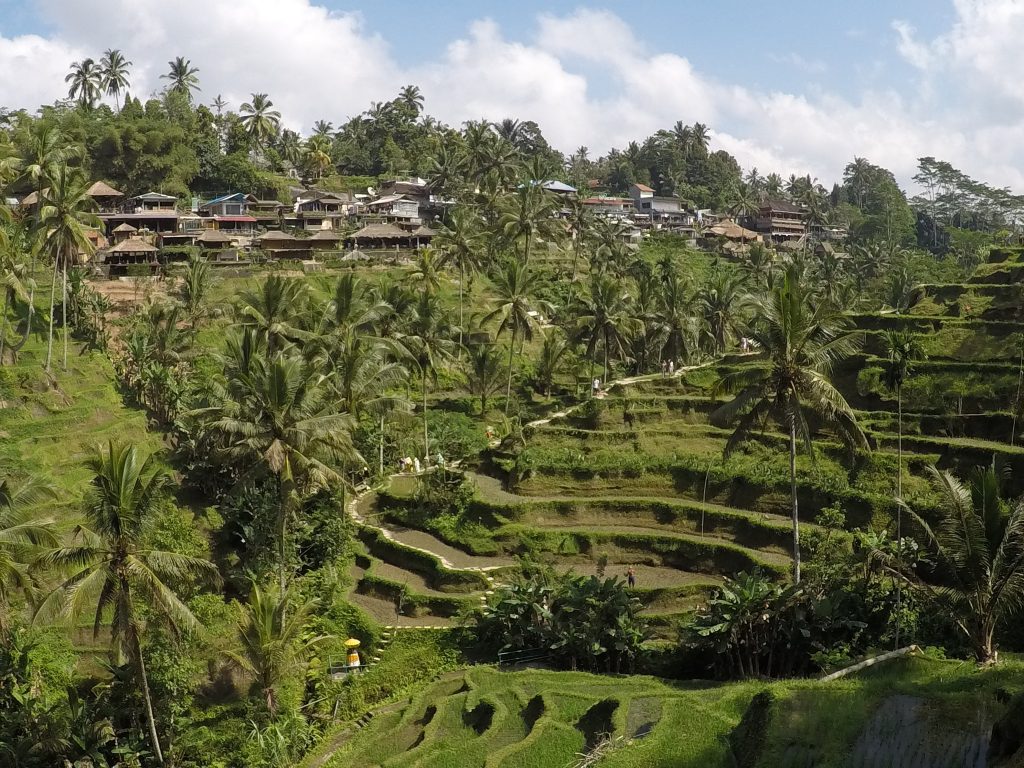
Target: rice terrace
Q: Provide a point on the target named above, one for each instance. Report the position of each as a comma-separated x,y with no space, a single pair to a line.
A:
339,432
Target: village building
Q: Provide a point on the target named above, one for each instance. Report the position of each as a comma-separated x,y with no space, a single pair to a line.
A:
151,211
129,252
385,236
393,208
229,213
320,210
780,221
609,206
282,245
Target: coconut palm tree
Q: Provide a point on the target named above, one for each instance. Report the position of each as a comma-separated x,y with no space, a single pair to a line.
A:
744,201
516,310
722,305
278,420
678,317
318,156
801,339
528,215
323,128
219,104
66,216
184,78
482,373
427,338
902,349
605,318
412,98
86,78
273,640
554,355
976,539
261,121
461,241
581,225
195,288
275,309
22,533
427,269
114,74
111,567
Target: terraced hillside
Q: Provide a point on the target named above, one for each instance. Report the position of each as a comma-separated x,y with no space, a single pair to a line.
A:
638,479
914,713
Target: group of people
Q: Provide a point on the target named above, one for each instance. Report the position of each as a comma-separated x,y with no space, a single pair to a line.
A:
412,464
668,367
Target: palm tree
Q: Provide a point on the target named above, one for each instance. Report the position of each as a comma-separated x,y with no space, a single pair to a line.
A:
183,76
722,304
318,156
260,120
274,309
528,215
112,568
114,74
219,104
482,374
65,218
460,240
902,349
195,287
427,339
86,78
977,541
514,287
678,317
22,533
581,225
744,201
553,353
427,272
273,642
278,420
323,128
801,340
411,97
606,318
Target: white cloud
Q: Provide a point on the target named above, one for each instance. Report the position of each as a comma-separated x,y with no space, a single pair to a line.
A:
586,77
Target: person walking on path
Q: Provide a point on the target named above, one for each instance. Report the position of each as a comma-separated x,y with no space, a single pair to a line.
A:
631,577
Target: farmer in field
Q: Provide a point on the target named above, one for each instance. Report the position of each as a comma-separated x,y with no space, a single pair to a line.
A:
631,577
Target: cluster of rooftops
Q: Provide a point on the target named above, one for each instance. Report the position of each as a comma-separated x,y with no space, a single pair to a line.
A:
229,225
135,229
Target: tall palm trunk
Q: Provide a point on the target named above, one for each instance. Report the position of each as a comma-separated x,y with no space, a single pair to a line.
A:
462,280
53,295
426,438
287,492
793,499
381,446
154,739
508,388
1016,402
606,357
899,508
64,310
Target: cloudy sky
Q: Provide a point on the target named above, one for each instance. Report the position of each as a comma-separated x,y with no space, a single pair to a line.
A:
797,87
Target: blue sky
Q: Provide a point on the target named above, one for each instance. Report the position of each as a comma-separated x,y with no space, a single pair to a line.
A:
790,45
794,87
